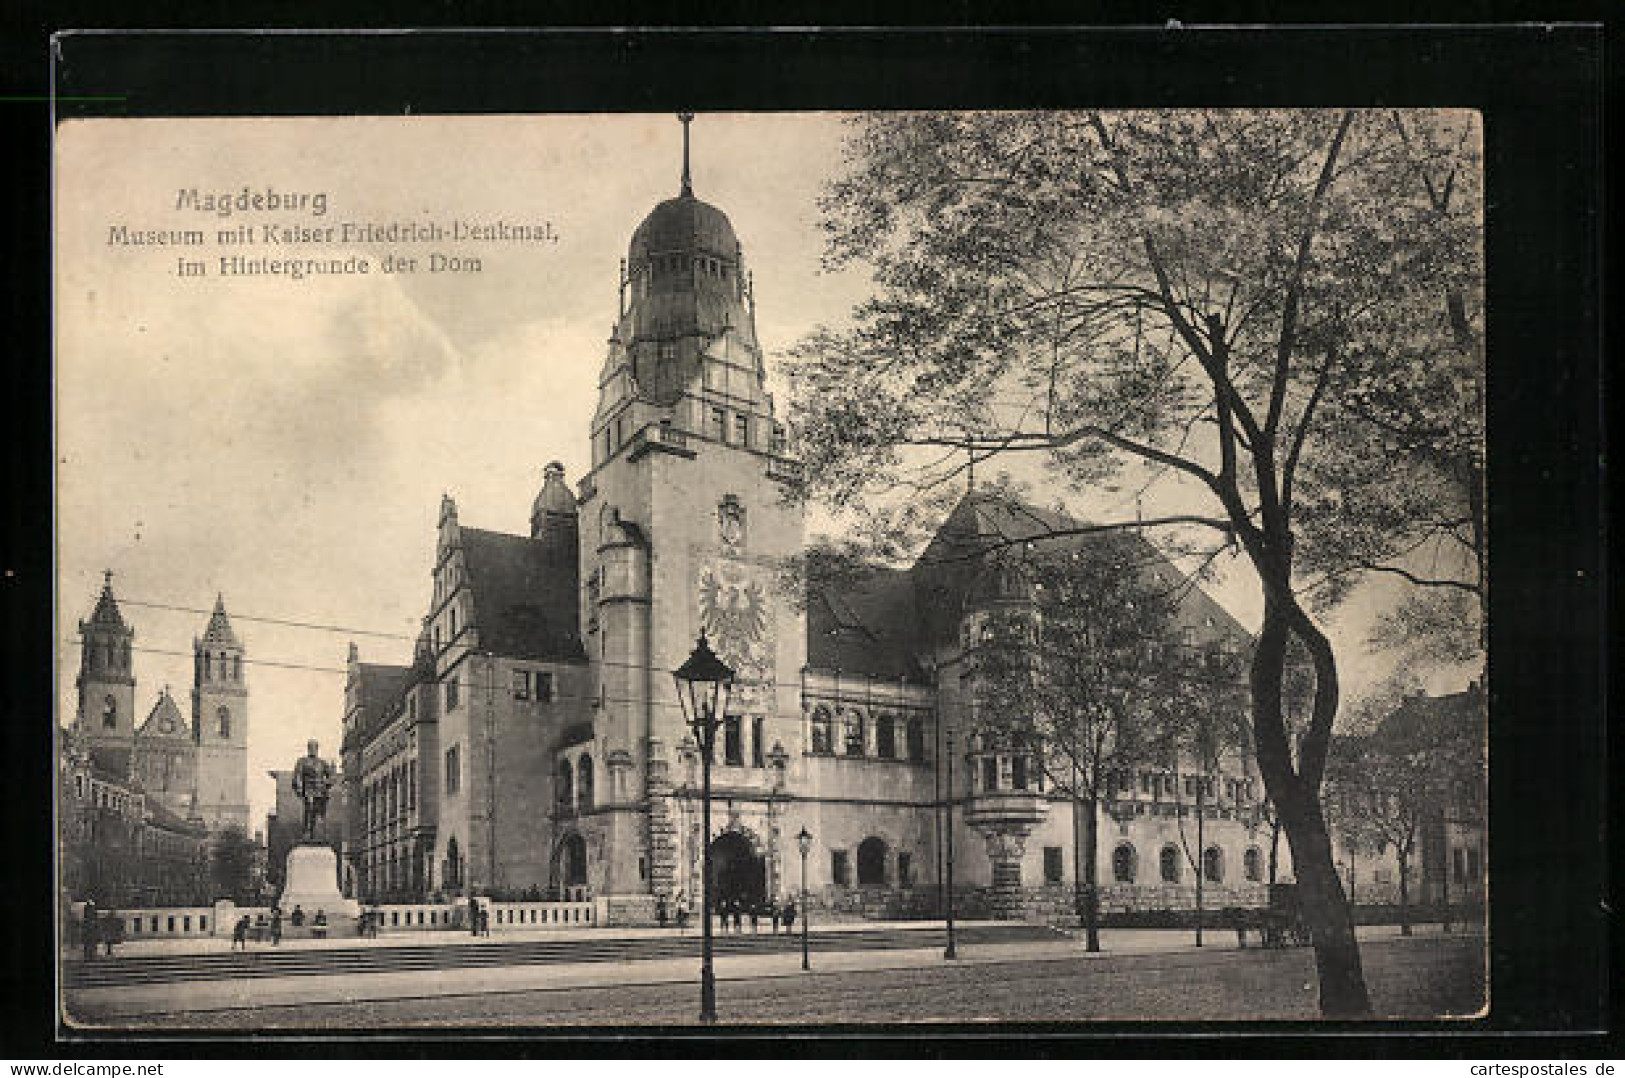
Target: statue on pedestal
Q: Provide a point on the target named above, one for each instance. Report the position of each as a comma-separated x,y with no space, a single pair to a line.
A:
313,779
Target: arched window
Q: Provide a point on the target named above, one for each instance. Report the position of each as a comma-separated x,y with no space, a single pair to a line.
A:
208,666
124,655
223,721
1124,862
565,790
1213,864
109,713
584,781
1252,864
871,861
1169,863
1018,772
823,731
236,668
854,732
916,739
886,737
990,773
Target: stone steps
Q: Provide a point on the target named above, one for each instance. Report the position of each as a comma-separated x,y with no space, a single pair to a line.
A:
387,958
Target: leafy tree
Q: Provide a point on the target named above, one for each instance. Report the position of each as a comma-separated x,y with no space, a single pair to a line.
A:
231,865
1078,675
1192,298
1202,719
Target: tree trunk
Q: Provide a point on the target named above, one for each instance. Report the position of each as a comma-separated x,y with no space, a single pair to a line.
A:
1090,872
1322,903
1404,893
1201,854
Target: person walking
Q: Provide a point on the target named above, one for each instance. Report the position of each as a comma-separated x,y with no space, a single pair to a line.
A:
87,930
276,925
660,911
755,918
739,916
111,928
774,913
789,915
239,934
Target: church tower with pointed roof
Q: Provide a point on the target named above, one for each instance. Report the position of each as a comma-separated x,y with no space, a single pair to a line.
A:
220,723
106,713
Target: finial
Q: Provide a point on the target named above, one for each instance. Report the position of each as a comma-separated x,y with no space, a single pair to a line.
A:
686,118
107,579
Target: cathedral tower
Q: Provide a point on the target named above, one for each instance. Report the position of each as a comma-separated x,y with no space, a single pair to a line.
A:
220,724
106,713
683,529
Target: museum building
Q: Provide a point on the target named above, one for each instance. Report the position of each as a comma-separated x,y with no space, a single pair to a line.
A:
535,745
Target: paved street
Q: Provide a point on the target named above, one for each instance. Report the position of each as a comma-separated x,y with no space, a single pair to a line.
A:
1421,977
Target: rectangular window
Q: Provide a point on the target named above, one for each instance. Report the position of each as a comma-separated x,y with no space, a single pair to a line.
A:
451,693
454,770
742,429
1053,865
757,753
733,747
839,868
719,424
543,685
521,684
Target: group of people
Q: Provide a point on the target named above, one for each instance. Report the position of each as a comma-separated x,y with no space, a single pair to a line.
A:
105,927
735,912
270,928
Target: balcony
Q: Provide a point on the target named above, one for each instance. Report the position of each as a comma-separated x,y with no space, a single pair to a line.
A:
658,438
1005,809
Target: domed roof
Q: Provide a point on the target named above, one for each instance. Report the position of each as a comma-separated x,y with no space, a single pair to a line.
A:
684,223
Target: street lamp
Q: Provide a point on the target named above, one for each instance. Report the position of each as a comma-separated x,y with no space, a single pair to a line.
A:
703,684
948,812
804,843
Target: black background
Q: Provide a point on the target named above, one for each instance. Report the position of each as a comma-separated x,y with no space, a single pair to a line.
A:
1541,90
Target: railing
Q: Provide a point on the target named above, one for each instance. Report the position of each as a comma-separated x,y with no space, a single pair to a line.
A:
170,922
521,915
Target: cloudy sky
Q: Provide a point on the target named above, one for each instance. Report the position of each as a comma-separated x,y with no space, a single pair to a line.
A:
286,443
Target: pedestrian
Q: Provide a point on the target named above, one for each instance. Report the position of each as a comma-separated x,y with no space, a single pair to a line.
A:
297,917
789,915
87,930
112,928
773,912
738,918
755,917
485,920
660,911
276,925
239,934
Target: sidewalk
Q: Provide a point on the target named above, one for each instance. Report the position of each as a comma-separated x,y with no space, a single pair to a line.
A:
314,990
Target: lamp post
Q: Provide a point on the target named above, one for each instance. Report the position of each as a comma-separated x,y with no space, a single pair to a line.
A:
950,951
804,842
703,684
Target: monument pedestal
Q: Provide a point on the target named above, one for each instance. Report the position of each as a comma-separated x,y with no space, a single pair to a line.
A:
312,886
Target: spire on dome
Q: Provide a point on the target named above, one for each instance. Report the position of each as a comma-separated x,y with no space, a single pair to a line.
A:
688,186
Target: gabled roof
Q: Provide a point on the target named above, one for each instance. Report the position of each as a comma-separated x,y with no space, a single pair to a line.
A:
961,564
381,686
525,596
165,708
1427,721
863,623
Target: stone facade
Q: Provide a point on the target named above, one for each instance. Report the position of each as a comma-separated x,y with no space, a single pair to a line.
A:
195,767
564,764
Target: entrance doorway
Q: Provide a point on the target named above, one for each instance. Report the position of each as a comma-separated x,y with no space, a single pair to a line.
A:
738,873
570,868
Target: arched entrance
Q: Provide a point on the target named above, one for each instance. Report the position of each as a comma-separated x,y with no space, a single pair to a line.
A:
738,872
570,867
